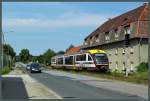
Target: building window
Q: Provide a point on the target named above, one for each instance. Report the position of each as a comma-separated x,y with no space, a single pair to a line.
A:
123,51
116,67
107,38
85,42
131,50
131,66
109,54
116,52
90,41
116,34
110,62
123,68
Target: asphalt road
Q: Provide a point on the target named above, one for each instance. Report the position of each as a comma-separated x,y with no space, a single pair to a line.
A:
74,89
71,89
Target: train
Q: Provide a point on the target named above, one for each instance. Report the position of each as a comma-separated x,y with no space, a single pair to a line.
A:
94,59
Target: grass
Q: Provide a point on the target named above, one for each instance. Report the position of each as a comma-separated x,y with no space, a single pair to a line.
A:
5,70
137,78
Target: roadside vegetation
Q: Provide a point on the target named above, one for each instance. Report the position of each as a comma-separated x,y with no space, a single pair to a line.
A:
5,70
139,77
8,58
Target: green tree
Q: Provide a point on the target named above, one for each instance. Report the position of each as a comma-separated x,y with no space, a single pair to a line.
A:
60,52
9,50
24,55
39,58
47,56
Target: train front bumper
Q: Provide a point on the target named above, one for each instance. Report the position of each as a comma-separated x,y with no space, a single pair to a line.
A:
102,66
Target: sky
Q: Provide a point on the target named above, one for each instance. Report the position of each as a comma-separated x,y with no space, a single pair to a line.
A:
39,26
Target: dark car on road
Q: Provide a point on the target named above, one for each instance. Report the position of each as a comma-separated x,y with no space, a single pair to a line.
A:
27,67
35,67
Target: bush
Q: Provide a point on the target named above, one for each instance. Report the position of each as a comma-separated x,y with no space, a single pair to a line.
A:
5,70
142,67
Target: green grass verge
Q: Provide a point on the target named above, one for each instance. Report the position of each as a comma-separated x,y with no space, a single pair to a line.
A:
137,78
5,70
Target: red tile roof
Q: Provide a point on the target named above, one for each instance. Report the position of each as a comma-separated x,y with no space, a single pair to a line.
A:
73,50
138,14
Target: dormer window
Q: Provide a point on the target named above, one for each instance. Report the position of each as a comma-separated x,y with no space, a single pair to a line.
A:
96,38
85,43
116,34
127,30
91,42
107,38
125,19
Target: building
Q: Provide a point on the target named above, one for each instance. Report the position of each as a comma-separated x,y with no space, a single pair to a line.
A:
73,50
110,37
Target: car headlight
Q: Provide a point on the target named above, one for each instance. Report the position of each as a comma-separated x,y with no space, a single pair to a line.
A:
33,69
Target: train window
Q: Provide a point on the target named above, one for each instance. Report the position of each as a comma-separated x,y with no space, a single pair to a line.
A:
101,58
78,58
81,57
53,60
69,60
84,57
60,60
89,58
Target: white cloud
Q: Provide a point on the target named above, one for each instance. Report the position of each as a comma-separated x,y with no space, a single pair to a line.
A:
66,20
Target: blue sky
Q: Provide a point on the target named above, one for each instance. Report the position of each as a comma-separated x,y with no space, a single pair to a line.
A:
55,25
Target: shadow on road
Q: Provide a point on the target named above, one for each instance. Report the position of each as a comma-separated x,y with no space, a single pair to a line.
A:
13,88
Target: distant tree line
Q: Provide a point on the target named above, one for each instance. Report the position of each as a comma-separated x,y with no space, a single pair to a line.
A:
25,56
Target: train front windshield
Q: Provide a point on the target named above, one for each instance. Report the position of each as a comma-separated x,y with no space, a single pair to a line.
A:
101,58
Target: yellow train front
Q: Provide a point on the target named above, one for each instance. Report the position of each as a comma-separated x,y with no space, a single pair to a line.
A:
100,59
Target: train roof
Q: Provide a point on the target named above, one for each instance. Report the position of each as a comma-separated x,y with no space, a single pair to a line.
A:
57,56
91,51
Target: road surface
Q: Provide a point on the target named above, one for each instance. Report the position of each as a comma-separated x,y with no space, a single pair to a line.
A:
69,88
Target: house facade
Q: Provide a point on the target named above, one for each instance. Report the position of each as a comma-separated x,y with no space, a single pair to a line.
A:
110,37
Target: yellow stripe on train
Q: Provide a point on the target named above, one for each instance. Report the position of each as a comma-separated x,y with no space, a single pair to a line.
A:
96,51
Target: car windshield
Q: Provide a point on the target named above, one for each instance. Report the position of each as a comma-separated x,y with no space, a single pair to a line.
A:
101,58
35,65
